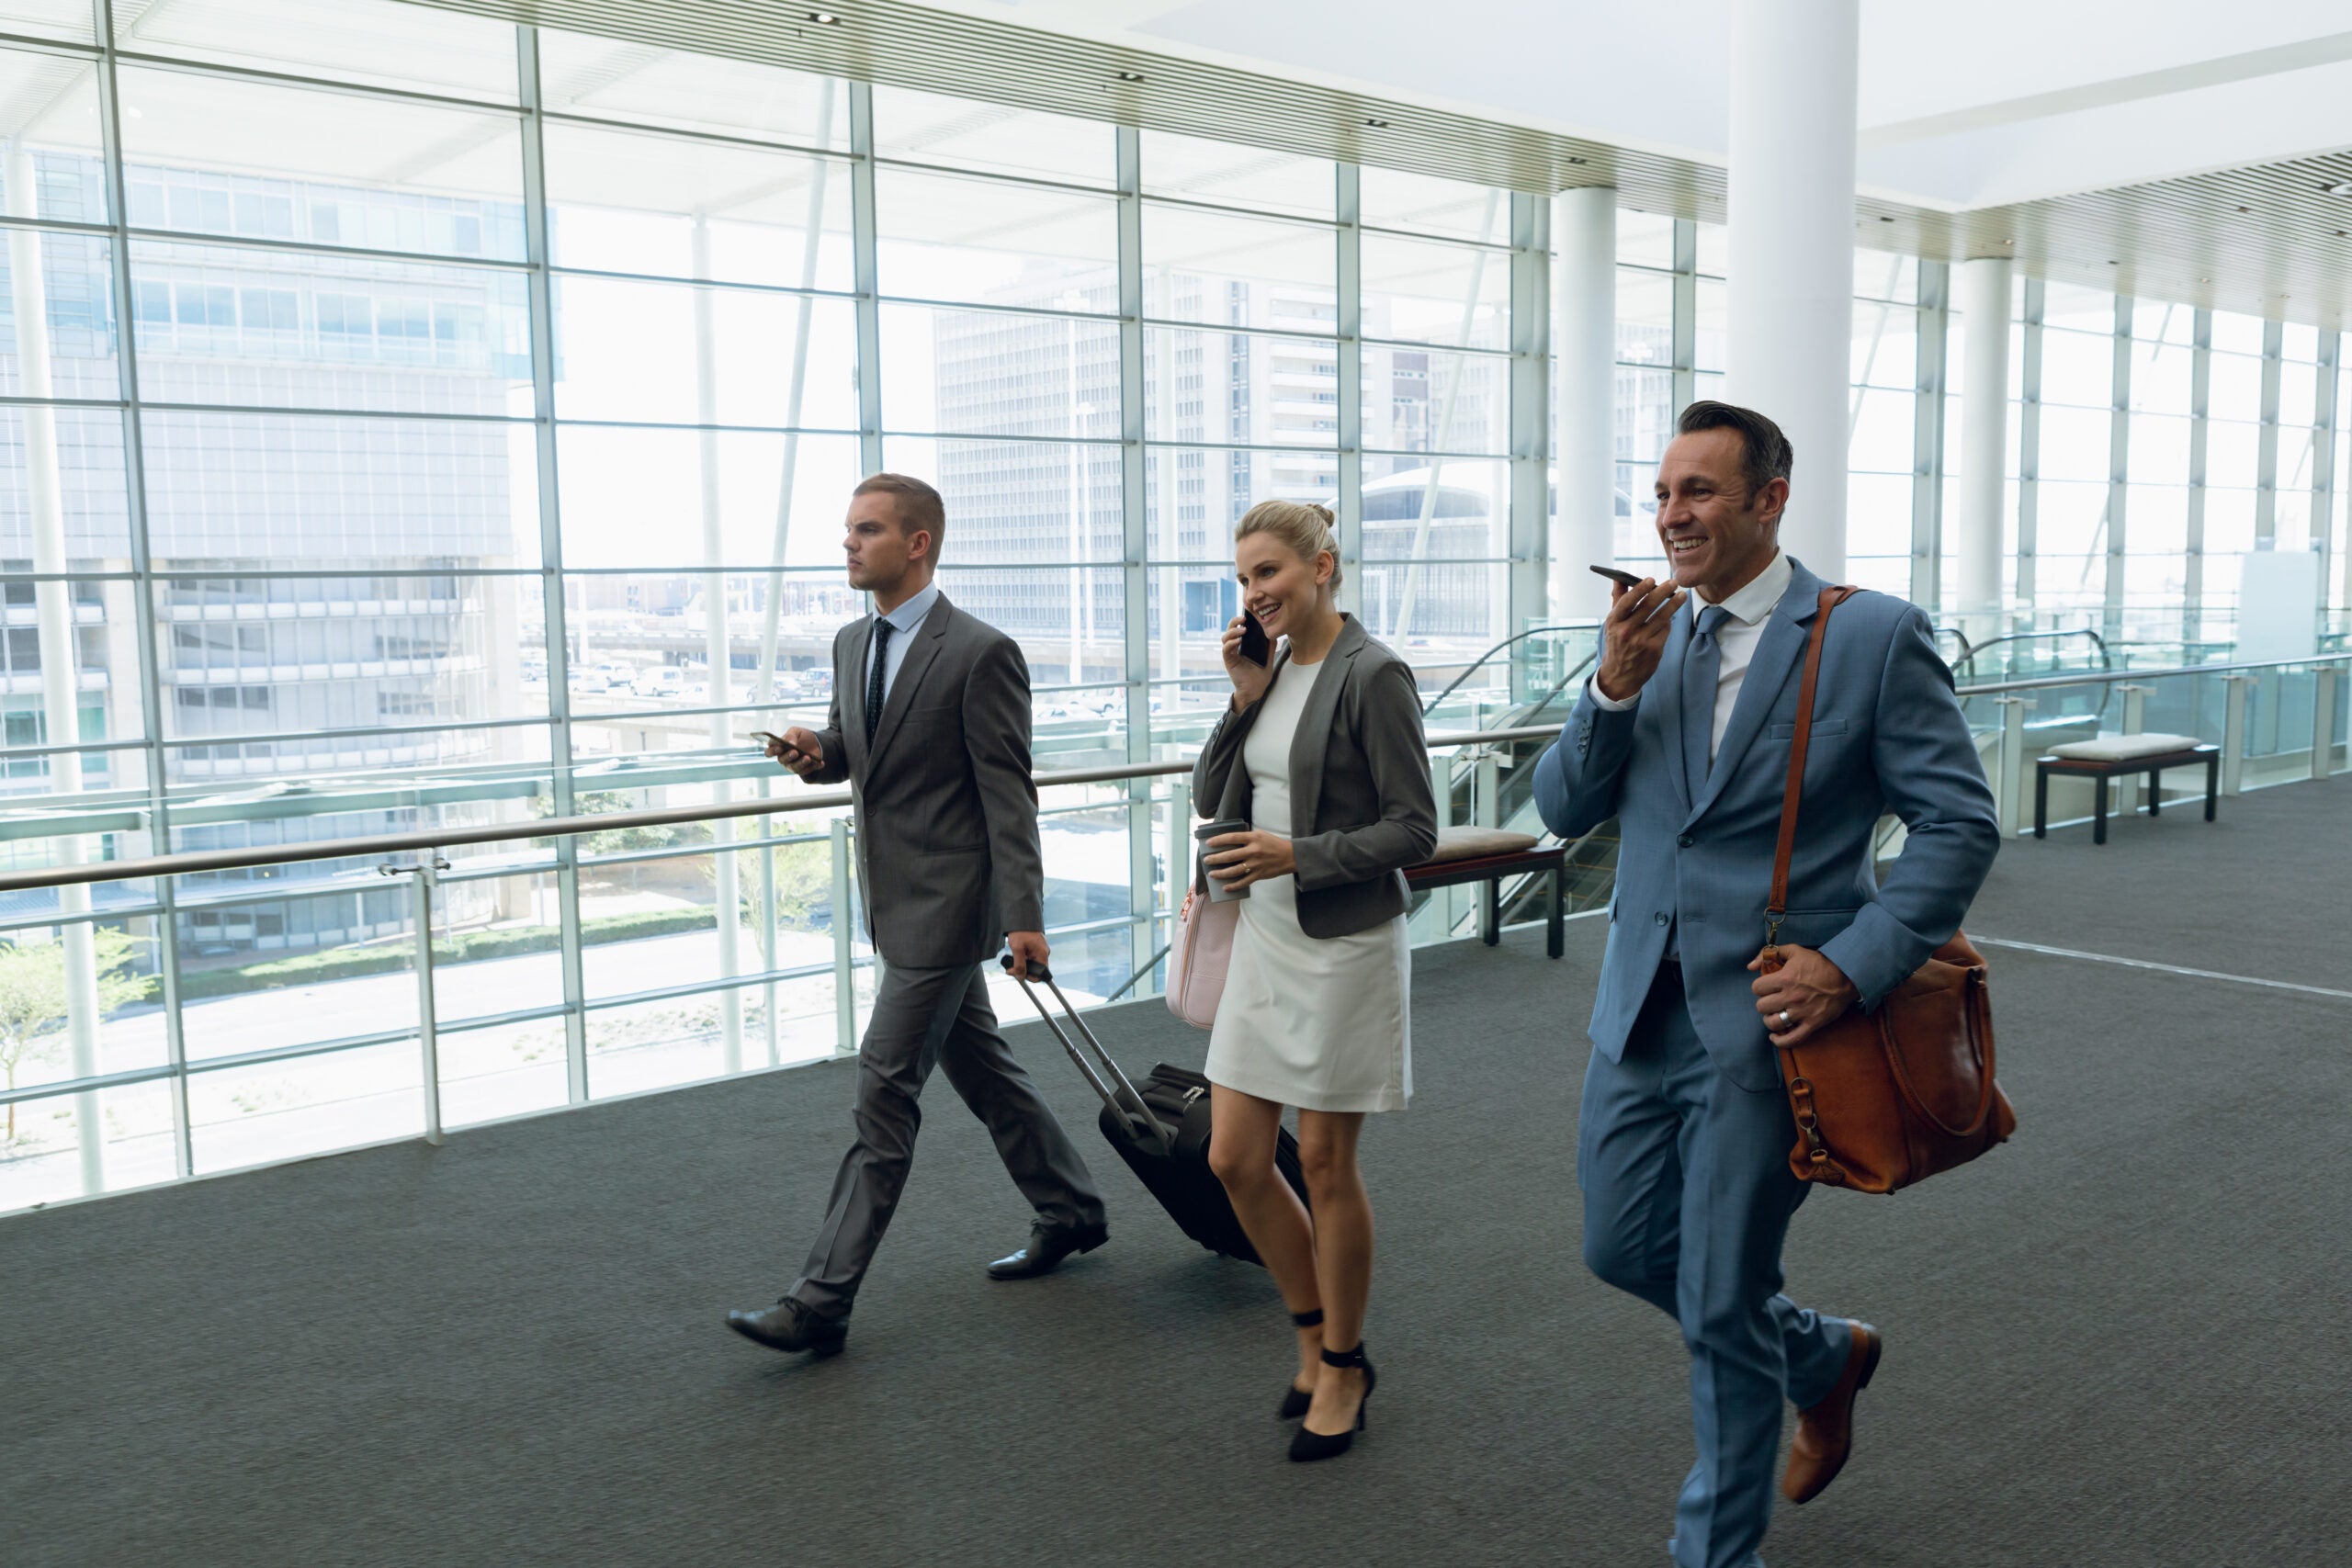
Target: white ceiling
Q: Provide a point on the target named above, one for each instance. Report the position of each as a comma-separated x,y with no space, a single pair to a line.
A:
1962,103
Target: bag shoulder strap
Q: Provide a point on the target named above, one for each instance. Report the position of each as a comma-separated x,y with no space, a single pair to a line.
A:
1776,907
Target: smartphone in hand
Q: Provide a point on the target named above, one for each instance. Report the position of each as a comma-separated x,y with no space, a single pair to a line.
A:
1256,646
768,742
1621,579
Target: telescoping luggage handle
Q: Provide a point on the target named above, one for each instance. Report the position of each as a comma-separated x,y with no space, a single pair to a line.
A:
1125,1096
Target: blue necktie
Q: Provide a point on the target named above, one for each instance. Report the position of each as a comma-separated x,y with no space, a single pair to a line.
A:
873,673
1701,670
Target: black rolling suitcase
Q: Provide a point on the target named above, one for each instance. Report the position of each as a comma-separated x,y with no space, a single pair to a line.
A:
1161,1129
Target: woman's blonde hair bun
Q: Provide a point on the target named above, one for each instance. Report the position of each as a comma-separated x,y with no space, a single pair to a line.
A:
1305,526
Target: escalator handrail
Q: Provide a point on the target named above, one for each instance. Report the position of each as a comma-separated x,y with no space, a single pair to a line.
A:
1480,662
2106,660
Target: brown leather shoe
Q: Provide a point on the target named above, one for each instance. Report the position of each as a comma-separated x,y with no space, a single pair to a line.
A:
1825,1431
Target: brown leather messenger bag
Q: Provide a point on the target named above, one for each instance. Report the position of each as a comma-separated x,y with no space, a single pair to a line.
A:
1889,1097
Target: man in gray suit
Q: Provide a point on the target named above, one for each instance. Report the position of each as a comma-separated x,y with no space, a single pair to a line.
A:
930,725
1684,735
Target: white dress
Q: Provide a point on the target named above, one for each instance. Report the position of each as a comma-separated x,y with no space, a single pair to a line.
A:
1322,1024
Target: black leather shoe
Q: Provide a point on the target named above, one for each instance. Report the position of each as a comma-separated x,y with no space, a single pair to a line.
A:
1306,1445
789,1326
1049,1245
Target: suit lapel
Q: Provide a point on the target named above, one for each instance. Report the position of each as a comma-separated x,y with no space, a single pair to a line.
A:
849,683
919,653
1667,687
1313,740
1779,650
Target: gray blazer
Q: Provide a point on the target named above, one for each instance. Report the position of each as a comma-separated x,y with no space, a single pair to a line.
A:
1359,773
1888,734
948,860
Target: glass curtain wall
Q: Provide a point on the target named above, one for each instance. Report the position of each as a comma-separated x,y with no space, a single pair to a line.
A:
413,422
408,420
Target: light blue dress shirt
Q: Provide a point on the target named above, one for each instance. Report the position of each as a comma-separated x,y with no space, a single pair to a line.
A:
905,621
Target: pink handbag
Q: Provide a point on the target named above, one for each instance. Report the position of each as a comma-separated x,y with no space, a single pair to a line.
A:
1199,957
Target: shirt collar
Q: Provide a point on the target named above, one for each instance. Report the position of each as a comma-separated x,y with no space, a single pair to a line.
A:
912,615
1757,600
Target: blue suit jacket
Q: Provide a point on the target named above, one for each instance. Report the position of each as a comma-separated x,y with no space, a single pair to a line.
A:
1888,734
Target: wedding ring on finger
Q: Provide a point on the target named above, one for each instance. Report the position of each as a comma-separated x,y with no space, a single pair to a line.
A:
1784,1021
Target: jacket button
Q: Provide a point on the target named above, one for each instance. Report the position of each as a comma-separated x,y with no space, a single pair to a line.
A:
1685,841
1659,918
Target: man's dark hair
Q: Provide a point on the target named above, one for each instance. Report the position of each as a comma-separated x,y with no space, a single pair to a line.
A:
919,506
1768,456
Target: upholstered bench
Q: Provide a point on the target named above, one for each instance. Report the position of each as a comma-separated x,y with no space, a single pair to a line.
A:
1487,856
2119,756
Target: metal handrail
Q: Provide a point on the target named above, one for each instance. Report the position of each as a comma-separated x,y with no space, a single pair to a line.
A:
1481,662
559,827
2113,677
191,861
1968,654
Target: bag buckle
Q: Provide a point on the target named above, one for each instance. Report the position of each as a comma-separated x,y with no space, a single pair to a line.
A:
1801,1100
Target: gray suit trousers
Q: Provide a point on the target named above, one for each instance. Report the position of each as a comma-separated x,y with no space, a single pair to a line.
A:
923,1019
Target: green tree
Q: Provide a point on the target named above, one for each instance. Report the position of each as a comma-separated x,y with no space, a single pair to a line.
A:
33,1006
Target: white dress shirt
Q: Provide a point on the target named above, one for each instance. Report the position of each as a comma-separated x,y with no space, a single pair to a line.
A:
905,620
1745,614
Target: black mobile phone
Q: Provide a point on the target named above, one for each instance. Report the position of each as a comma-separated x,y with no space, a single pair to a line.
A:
1621,579
1256,646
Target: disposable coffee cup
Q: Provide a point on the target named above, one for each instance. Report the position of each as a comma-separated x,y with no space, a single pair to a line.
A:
1218,892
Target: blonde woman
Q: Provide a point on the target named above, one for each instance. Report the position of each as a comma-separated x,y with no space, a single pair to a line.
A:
1321,752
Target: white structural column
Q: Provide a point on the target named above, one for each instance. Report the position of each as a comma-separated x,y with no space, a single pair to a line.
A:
1981,290
1584,338
1792,247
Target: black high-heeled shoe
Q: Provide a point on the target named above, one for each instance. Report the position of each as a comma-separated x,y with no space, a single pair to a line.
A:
1297,1399
1307,1445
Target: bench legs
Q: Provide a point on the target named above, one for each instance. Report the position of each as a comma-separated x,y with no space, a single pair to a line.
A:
2098,810
2212,783
1555,921
2155,790
1490,911
2042,803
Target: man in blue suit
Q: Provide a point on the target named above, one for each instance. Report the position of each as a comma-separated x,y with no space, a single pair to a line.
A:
1684,735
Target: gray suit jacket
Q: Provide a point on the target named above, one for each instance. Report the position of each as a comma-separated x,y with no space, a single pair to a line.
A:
1358,773
1888,734
948,860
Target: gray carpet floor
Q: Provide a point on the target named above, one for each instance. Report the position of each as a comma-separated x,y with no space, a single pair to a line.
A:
2118,1341
2263,889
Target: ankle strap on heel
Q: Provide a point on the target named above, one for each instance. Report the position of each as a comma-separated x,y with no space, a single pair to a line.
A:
1355,1358
1308,1319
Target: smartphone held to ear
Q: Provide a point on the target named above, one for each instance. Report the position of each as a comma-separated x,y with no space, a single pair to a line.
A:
1621,579
1256,646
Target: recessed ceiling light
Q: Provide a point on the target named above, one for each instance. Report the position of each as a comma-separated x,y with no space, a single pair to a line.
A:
2341,188
2245,209
1376,124
826,19
1130,75
1884,219
2008,241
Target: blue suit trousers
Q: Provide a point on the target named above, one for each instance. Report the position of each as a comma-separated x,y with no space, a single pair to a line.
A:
1687,1200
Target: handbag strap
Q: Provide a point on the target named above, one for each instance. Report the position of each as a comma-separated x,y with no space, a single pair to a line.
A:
1776,907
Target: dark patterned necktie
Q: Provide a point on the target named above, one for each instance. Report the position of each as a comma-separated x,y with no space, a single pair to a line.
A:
1701,672
874,672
